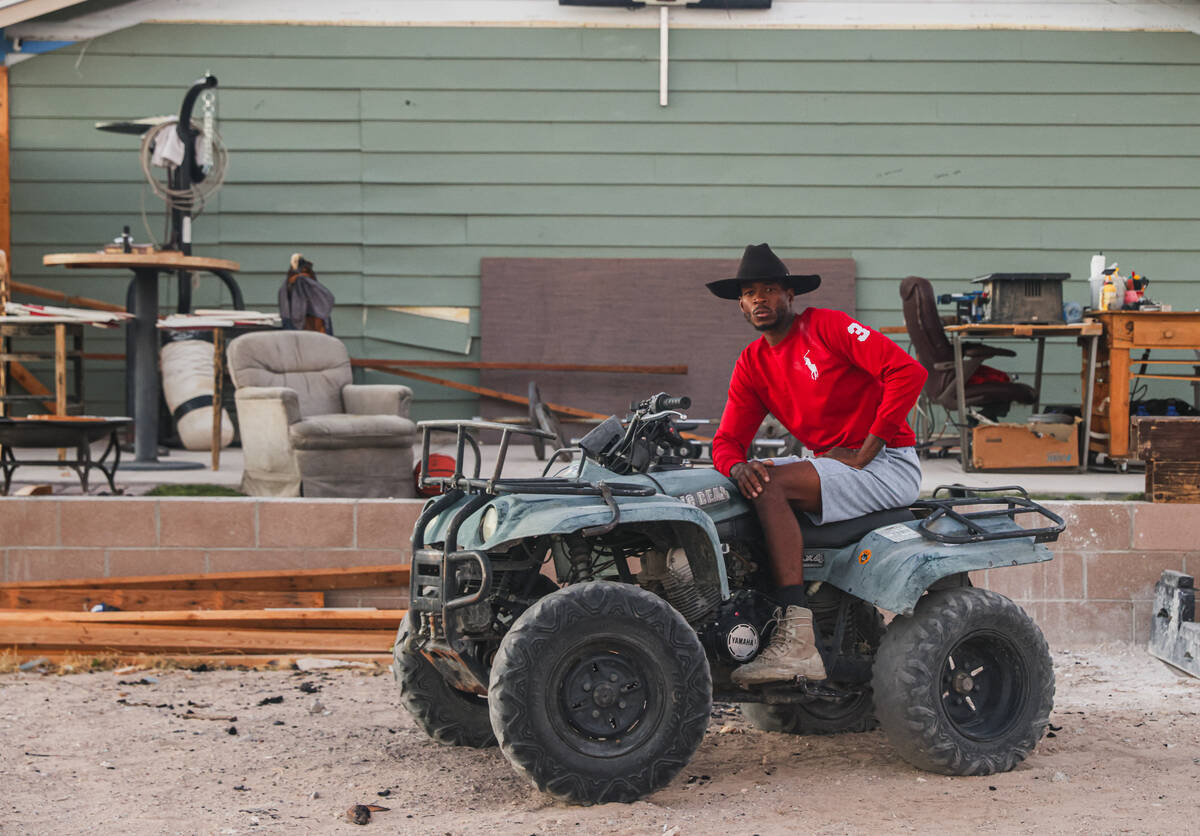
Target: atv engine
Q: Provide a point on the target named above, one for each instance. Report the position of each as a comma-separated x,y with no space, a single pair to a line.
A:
673,574
738,633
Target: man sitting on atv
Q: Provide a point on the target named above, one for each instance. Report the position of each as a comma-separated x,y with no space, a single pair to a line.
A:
844,391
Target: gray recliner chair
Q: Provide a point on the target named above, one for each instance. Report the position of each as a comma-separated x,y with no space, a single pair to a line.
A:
308,430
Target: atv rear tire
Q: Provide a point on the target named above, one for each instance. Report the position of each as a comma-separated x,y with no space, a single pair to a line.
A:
965,685
853,714
600,692
448,715
849,715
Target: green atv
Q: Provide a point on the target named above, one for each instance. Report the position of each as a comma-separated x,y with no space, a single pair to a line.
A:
587,620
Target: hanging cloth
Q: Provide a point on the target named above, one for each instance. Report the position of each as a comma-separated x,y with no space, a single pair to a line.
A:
304,303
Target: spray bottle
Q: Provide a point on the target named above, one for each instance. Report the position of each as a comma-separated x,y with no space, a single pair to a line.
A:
1108,293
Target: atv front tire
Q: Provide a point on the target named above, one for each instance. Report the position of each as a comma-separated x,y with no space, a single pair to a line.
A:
600,692
448,715
965,685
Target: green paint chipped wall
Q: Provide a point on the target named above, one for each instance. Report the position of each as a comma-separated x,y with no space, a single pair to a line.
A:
396,159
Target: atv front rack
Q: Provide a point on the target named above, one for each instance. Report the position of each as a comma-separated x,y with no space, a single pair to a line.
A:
973,525
497,485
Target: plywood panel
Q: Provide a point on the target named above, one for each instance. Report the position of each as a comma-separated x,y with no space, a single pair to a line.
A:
626,311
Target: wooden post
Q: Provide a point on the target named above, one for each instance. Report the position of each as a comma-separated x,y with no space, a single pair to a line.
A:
4,292
60,377
218,386
5,189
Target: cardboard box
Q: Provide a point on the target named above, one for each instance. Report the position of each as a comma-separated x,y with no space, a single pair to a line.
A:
1025,446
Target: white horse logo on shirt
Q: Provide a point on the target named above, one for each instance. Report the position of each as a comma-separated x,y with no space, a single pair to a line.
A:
812,367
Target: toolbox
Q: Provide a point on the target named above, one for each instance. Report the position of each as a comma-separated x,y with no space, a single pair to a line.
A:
1023,297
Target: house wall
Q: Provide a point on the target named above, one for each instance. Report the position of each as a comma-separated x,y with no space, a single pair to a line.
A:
397,157
1099,587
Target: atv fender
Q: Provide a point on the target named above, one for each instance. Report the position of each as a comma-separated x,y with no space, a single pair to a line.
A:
893,572
526,516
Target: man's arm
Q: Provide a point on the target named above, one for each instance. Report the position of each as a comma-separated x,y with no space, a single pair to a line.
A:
743,413
859,458
901,375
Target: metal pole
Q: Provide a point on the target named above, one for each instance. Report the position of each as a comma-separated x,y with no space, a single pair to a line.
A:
145,373
663,39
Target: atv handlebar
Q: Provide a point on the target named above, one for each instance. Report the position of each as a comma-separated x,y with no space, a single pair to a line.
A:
664,402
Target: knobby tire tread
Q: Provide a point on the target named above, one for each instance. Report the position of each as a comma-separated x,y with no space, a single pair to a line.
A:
909,664
523,658
449,716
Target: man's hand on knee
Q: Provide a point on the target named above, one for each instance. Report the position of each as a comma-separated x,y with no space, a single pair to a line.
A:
751,477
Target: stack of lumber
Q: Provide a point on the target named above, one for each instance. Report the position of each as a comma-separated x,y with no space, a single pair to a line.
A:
249,617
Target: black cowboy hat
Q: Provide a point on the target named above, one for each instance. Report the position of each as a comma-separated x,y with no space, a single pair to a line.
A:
759,264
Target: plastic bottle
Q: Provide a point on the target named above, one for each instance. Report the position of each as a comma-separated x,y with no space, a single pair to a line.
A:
1096,279
1108,295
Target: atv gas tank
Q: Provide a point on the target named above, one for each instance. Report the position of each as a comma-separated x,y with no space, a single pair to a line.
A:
705,488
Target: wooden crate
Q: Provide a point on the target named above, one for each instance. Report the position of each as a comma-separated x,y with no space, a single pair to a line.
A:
1170,447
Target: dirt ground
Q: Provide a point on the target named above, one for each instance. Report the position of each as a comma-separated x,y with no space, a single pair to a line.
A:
156,752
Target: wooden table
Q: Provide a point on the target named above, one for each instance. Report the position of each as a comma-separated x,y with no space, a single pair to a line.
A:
146,270
1089,331
1125,331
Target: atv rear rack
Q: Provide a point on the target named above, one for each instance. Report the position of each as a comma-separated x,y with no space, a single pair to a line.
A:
972,531
496,485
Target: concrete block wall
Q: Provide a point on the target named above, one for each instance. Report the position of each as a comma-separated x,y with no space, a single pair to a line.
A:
47,538
1099,587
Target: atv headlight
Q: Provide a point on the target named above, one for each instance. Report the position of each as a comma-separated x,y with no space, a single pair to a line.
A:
490,522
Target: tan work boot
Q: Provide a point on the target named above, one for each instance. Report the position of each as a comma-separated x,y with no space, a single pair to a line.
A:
791,653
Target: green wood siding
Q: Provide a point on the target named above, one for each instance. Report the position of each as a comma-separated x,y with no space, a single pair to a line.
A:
397,158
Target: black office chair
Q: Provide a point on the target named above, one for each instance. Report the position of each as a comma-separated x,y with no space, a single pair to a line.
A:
991,399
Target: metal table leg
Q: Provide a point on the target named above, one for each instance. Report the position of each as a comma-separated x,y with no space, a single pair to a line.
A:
960,390
1089,393
145,375
1037,375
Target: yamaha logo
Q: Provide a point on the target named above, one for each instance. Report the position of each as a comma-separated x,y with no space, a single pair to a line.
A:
742,642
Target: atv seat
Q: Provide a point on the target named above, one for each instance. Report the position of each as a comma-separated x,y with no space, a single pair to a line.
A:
835,535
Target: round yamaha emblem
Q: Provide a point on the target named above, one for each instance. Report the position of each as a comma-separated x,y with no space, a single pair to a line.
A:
742,642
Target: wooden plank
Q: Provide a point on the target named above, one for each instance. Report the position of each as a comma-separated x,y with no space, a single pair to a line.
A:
537,367
275,619
231,659
351,577
154,599
138,637
26,380
479,390
65,298
136,260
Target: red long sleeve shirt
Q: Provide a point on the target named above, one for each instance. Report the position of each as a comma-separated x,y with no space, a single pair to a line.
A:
830,382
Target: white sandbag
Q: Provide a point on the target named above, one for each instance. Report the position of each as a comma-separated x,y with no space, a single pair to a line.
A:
187,375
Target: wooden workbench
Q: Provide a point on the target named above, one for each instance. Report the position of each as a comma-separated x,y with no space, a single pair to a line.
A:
1126,331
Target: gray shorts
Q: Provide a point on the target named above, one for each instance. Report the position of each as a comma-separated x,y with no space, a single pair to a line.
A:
891,480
